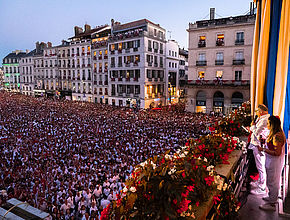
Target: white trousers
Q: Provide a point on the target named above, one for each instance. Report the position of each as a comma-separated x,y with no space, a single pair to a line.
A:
274,166
260,164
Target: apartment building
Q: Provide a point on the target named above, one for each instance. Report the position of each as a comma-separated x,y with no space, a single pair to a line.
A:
137,64
219,63
11,70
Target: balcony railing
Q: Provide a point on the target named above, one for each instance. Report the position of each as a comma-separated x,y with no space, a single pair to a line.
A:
219,82
219,62
135,49
201,63
240,42
150,49
105,57
239,62
112,65
201,44
220,43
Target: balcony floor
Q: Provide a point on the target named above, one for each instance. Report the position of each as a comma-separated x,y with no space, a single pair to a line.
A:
251,210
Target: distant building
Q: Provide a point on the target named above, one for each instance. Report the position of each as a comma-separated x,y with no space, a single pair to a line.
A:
11,70
172,71
137,64
183,70
26,70
219,63
1,78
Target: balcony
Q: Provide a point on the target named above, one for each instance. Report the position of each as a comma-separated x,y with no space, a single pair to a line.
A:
128,79
78,66
127,64
135,63
83,65
119,50
83,53
119,79
100,57
239,62
95,70
150,49
155,50
106,83
150,63
220,43
113,79
105,57
135,49
136,79
119,64
201,43
88,53
155,64
201,63
161,51
106,70
219,62
127,50
100,70
100,83
95,58
214,83
240,42
78,54
112,52
112,65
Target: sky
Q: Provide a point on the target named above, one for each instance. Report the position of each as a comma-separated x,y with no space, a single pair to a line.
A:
24,22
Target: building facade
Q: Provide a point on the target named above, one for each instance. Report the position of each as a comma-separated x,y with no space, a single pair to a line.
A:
172,71
1,78
136,60
11,71
219,63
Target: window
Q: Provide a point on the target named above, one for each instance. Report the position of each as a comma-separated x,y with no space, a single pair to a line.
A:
238,75
201,74
169,64
149,44
169,52
239,55
220,56
220,40
155,32
201,57
240,38
219,74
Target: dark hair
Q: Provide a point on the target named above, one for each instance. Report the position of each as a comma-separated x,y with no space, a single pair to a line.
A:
275,126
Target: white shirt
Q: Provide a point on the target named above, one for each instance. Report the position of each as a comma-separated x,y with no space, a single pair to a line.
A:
260,128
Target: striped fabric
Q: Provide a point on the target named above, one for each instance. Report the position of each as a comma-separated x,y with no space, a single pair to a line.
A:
270,73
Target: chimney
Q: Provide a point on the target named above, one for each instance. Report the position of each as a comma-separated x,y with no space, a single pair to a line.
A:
49,44
87,28
211,13
27,51
78,30
37,47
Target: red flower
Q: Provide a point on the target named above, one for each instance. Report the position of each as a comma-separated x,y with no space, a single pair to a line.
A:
183,175
216,199
175,201
197,203
162,161
209,180
211,129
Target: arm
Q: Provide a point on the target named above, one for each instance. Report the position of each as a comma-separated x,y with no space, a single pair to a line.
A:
277,148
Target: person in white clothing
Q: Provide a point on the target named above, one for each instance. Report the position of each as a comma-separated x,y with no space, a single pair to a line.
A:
259,128
274,161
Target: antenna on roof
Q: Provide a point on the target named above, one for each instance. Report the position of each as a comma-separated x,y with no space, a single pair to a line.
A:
169,34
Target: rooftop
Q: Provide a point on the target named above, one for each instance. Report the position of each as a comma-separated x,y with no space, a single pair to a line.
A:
134,24
211,23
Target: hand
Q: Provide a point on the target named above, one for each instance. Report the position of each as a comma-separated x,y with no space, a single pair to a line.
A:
260,148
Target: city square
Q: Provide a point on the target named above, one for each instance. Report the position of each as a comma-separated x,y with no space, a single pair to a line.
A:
150,114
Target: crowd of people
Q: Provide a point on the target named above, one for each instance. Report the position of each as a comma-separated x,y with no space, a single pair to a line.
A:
71,159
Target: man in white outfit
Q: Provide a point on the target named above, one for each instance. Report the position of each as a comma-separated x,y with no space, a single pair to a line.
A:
259,128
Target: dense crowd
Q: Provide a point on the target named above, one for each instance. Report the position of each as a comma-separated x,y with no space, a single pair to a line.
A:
72,158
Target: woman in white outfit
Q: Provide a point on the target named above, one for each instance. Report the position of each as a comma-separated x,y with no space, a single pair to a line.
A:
274,161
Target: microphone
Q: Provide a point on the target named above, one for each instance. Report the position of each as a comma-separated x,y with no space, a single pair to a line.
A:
256,117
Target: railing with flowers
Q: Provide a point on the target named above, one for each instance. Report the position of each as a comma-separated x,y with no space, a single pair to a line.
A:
175,185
